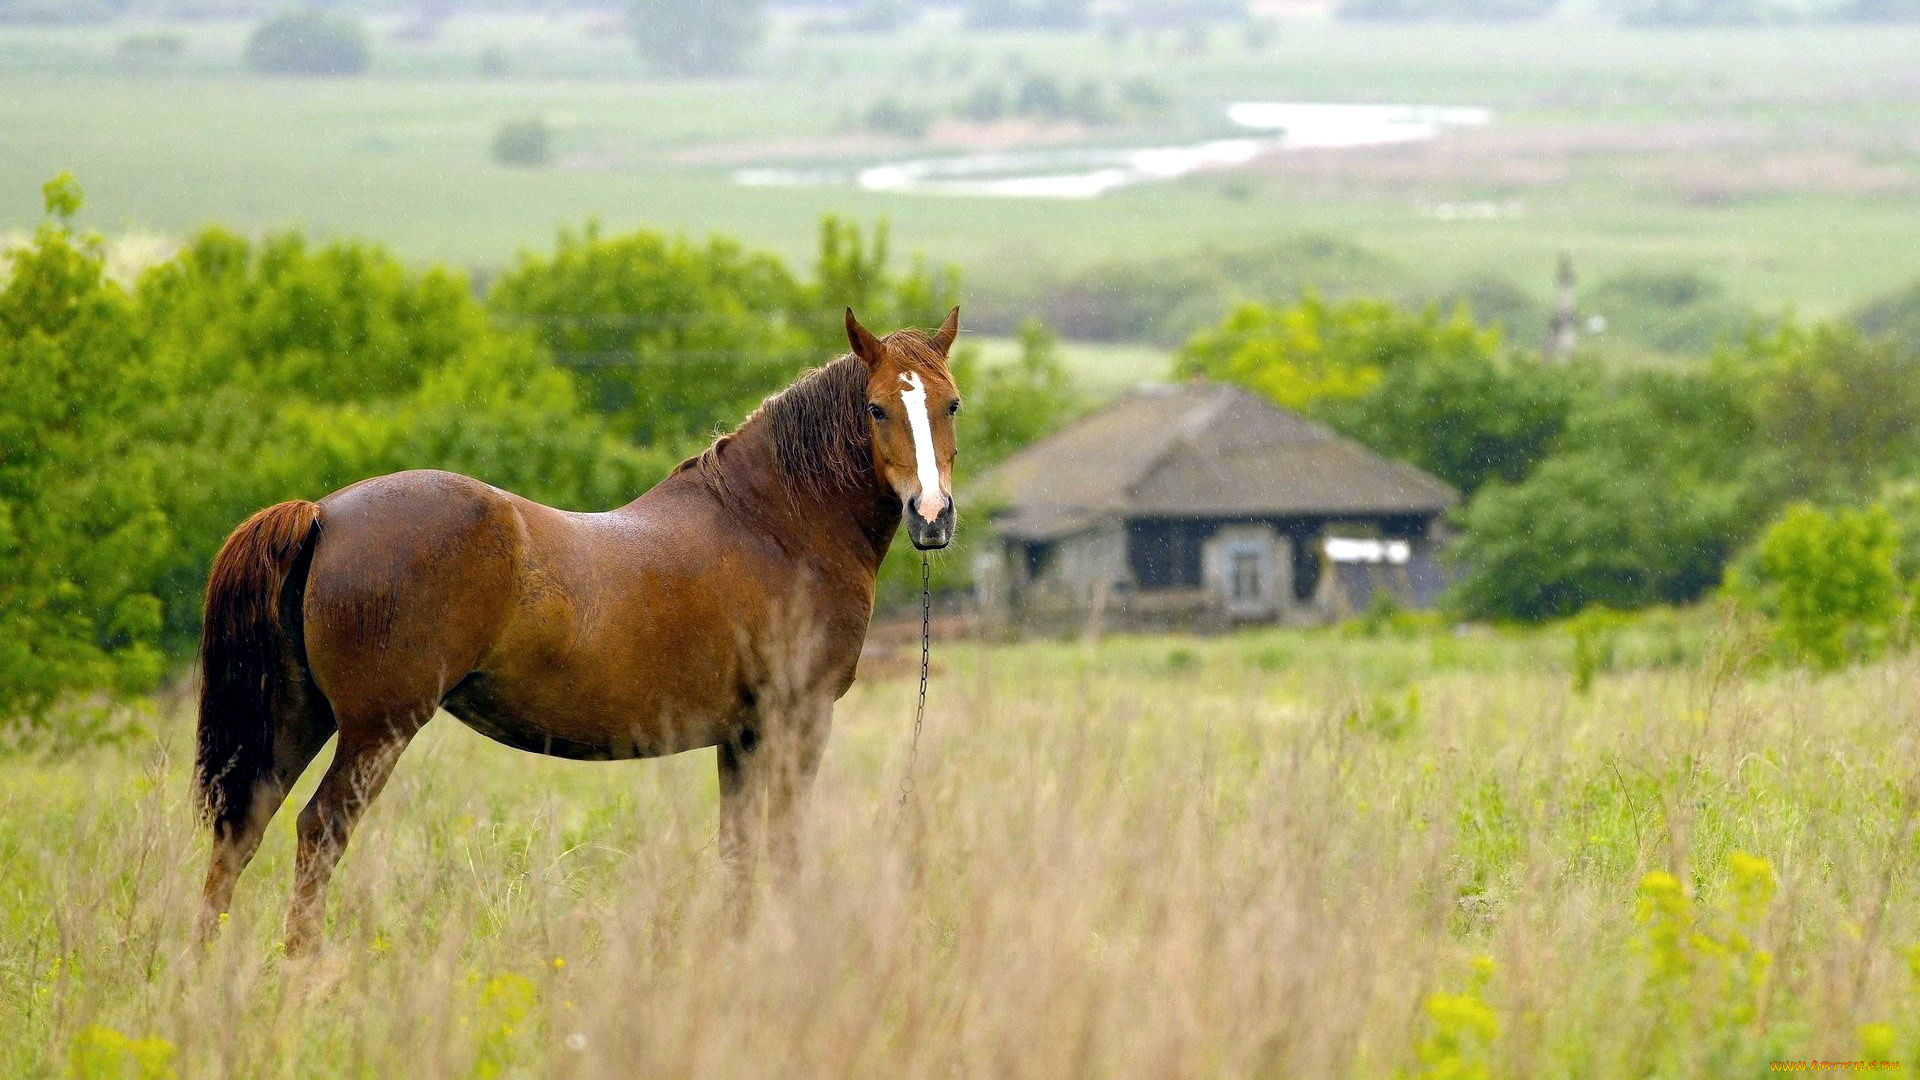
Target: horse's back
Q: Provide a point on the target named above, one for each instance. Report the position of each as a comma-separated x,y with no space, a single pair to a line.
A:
412,578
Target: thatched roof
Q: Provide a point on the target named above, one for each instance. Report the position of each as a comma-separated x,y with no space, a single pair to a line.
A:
1200,450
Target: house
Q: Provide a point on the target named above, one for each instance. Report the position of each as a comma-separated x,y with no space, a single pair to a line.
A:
1203,505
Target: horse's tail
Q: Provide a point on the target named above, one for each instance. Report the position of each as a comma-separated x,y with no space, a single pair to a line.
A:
243,649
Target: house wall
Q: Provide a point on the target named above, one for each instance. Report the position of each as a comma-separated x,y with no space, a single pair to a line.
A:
1094,579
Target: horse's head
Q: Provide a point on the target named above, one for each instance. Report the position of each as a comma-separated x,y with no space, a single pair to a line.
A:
911,401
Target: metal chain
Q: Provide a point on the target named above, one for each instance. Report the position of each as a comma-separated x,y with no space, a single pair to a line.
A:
926,652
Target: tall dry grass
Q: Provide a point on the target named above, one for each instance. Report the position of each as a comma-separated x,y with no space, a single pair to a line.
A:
1278,855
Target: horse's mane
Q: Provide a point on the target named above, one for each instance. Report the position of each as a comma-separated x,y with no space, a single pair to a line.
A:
818,425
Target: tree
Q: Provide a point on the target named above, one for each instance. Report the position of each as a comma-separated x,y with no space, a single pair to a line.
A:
309,42
1464,416
1317,350
1839,409
1582,531
1829,581
1657,479
672,339
695,37
79,529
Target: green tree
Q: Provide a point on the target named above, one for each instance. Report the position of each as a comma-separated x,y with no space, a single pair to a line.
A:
1839,409
696,37
1318,350
1829,581
339,322
1580,531
79,529
672,339
855,270
1656,481
1013,404
309,42
1464,416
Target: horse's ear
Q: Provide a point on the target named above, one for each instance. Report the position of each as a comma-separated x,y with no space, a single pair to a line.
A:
865,345
943,338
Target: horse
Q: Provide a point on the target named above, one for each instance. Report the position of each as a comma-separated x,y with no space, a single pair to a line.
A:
725,607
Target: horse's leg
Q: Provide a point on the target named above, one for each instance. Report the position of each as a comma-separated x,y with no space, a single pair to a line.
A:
742,807
765,775
362,761
303,726
790,783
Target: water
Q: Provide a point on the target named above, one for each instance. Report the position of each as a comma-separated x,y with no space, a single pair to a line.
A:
1088,172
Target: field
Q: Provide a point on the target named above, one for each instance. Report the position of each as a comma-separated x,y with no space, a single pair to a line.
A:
1279,854
1783,160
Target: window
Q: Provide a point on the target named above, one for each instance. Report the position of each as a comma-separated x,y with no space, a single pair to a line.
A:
1243,579
1165,554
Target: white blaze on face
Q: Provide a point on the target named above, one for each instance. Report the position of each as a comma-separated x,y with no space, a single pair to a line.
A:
932,499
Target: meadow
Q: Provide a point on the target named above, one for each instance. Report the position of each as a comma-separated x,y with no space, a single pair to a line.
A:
1782,160
1419,853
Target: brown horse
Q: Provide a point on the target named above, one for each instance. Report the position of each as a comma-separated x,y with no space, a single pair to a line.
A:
726,608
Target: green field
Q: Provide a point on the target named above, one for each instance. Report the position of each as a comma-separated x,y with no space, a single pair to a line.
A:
1783,160
1284,853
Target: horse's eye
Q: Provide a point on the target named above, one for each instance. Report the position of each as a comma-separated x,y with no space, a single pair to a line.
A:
953,408
876,412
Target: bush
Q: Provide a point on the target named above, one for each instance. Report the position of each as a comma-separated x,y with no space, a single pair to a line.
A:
1680,312
527,141
1167,300
154,48
1895,316
708,37
895,117
1829,582
308,43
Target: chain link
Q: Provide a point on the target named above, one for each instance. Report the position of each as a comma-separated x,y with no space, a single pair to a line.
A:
926,652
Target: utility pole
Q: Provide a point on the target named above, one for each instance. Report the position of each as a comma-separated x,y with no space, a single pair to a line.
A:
1563,329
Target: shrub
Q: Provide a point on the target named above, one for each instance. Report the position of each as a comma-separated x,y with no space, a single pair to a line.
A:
152,48
710,37
1678,311
895,117
308,43
1828,580
527,141
1895,316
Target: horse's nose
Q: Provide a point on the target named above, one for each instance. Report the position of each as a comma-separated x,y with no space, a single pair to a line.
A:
928,509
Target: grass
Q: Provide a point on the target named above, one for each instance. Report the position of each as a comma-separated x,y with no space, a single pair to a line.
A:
1280,853
1780,159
